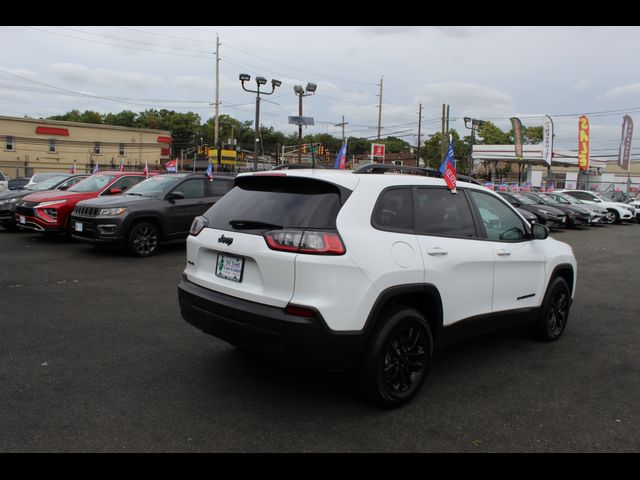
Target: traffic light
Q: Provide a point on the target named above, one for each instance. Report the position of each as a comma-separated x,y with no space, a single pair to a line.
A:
320,149
199,149
206,152
304,148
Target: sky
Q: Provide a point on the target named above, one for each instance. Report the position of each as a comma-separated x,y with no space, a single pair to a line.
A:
488,73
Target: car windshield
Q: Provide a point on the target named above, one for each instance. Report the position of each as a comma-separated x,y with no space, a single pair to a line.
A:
554,198
524,200
570,199
47,184
154,185
94,183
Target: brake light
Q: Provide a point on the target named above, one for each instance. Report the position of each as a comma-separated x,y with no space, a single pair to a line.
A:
198,224
315,242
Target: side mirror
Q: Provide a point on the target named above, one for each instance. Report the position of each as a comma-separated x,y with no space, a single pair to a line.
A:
115,191
176,195
539,231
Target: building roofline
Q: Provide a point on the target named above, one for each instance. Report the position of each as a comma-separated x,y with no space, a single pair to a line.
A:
81,124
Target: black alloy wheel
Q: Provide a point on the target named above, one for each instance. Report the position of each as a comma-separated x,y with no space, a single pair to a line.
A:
554,314
397,358
404,360
143,239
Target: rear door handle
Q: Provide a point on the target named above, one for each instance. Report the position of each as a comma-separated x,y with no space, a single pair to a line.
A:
503,253
436,251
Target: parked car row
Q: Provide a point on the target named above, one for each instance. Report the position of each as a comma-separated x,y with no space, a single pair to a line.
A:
113,208
570,208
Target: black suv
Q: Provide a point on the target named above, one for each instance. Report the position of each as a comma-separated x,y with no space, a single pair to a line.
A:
158,209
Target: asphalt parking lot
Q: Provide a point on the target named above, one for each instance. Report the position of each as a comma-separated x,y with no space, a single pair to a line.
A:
95,357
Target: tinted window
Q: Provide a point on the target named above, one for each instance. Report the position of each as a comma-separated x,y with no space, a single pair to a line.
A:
394,210
439,212
193,188
581,195
260,203
500,222
218,187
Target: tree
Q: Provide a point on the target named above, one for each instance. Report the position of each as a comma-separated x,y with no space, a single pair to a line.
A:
432,152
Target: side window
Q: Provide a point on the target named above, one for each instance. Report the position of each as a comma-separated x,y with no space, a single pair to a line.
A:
500,222
217,188
439,212
69,183
582,196
193,188
394,210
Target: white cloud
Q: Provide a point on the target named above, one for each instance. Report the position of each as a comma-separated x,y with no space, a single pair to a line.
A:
468,98
622,92
580,86
103,77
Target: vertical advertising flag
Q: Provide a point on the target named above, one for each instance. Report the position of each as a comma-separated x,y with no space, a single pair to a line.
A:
448,168
121,168
74,169
517,136
625,143
583,143
341,158
96,169
146,169
547,139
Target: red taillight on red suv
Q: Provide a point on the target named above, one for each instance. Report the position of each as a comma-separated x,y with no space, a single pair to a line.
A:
316,242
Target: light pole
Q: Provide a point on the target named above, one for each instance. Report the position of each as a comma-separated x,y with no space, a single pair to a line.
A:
474,123
259,81
311,88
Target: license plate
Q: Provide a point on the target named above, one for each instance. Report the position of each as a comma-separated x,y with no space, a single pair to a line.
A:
21,219
229,267
78,227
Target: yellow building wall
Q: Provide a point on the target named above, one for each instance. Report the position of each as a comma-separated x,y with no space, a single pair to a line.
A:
30,153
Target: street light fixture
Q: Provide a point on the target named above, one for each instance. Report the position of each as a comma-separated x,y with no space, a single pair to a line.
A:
299,91
474,123
259,81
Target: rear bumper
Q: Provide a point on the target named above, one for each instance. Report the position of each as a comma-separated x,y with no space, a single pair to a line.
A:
269,331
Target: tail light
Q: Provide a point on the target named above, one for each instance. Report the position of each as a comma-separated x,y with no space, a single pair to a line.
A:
316,242
198,224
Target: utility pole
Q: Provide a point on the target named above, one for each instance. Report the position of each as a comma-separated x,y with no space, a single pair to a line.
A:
380,109
443,133
216,121
342,125
419,131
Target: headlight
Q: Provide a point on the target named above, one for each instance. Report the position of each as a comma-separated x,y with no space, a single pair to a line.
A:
110,212
49,204
630,209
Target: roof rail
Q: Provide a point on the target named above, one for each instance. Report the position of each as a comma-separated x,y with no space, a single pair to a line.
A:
380,168
289,166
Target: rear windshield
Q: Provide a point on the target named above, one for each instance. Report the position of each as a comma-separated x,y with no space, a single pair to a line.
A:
257,204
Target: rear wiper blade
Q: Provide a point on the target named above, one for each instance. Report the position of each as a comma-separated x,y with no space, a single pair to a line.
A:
251,224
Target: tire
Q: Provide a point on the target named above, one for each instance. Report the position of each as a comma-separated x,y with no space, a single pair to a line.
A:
397,358
143,239
616,216
551,323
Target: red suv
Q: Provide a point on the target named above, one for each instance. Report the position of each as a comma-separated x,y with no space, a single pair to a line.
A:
48,212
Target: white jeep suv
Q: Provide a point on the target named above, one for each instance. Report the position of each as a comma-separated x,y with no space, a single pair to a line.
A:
369,273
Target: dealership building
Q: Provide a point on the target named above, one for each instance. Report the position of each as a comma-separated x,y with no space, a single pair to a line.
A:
30,145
